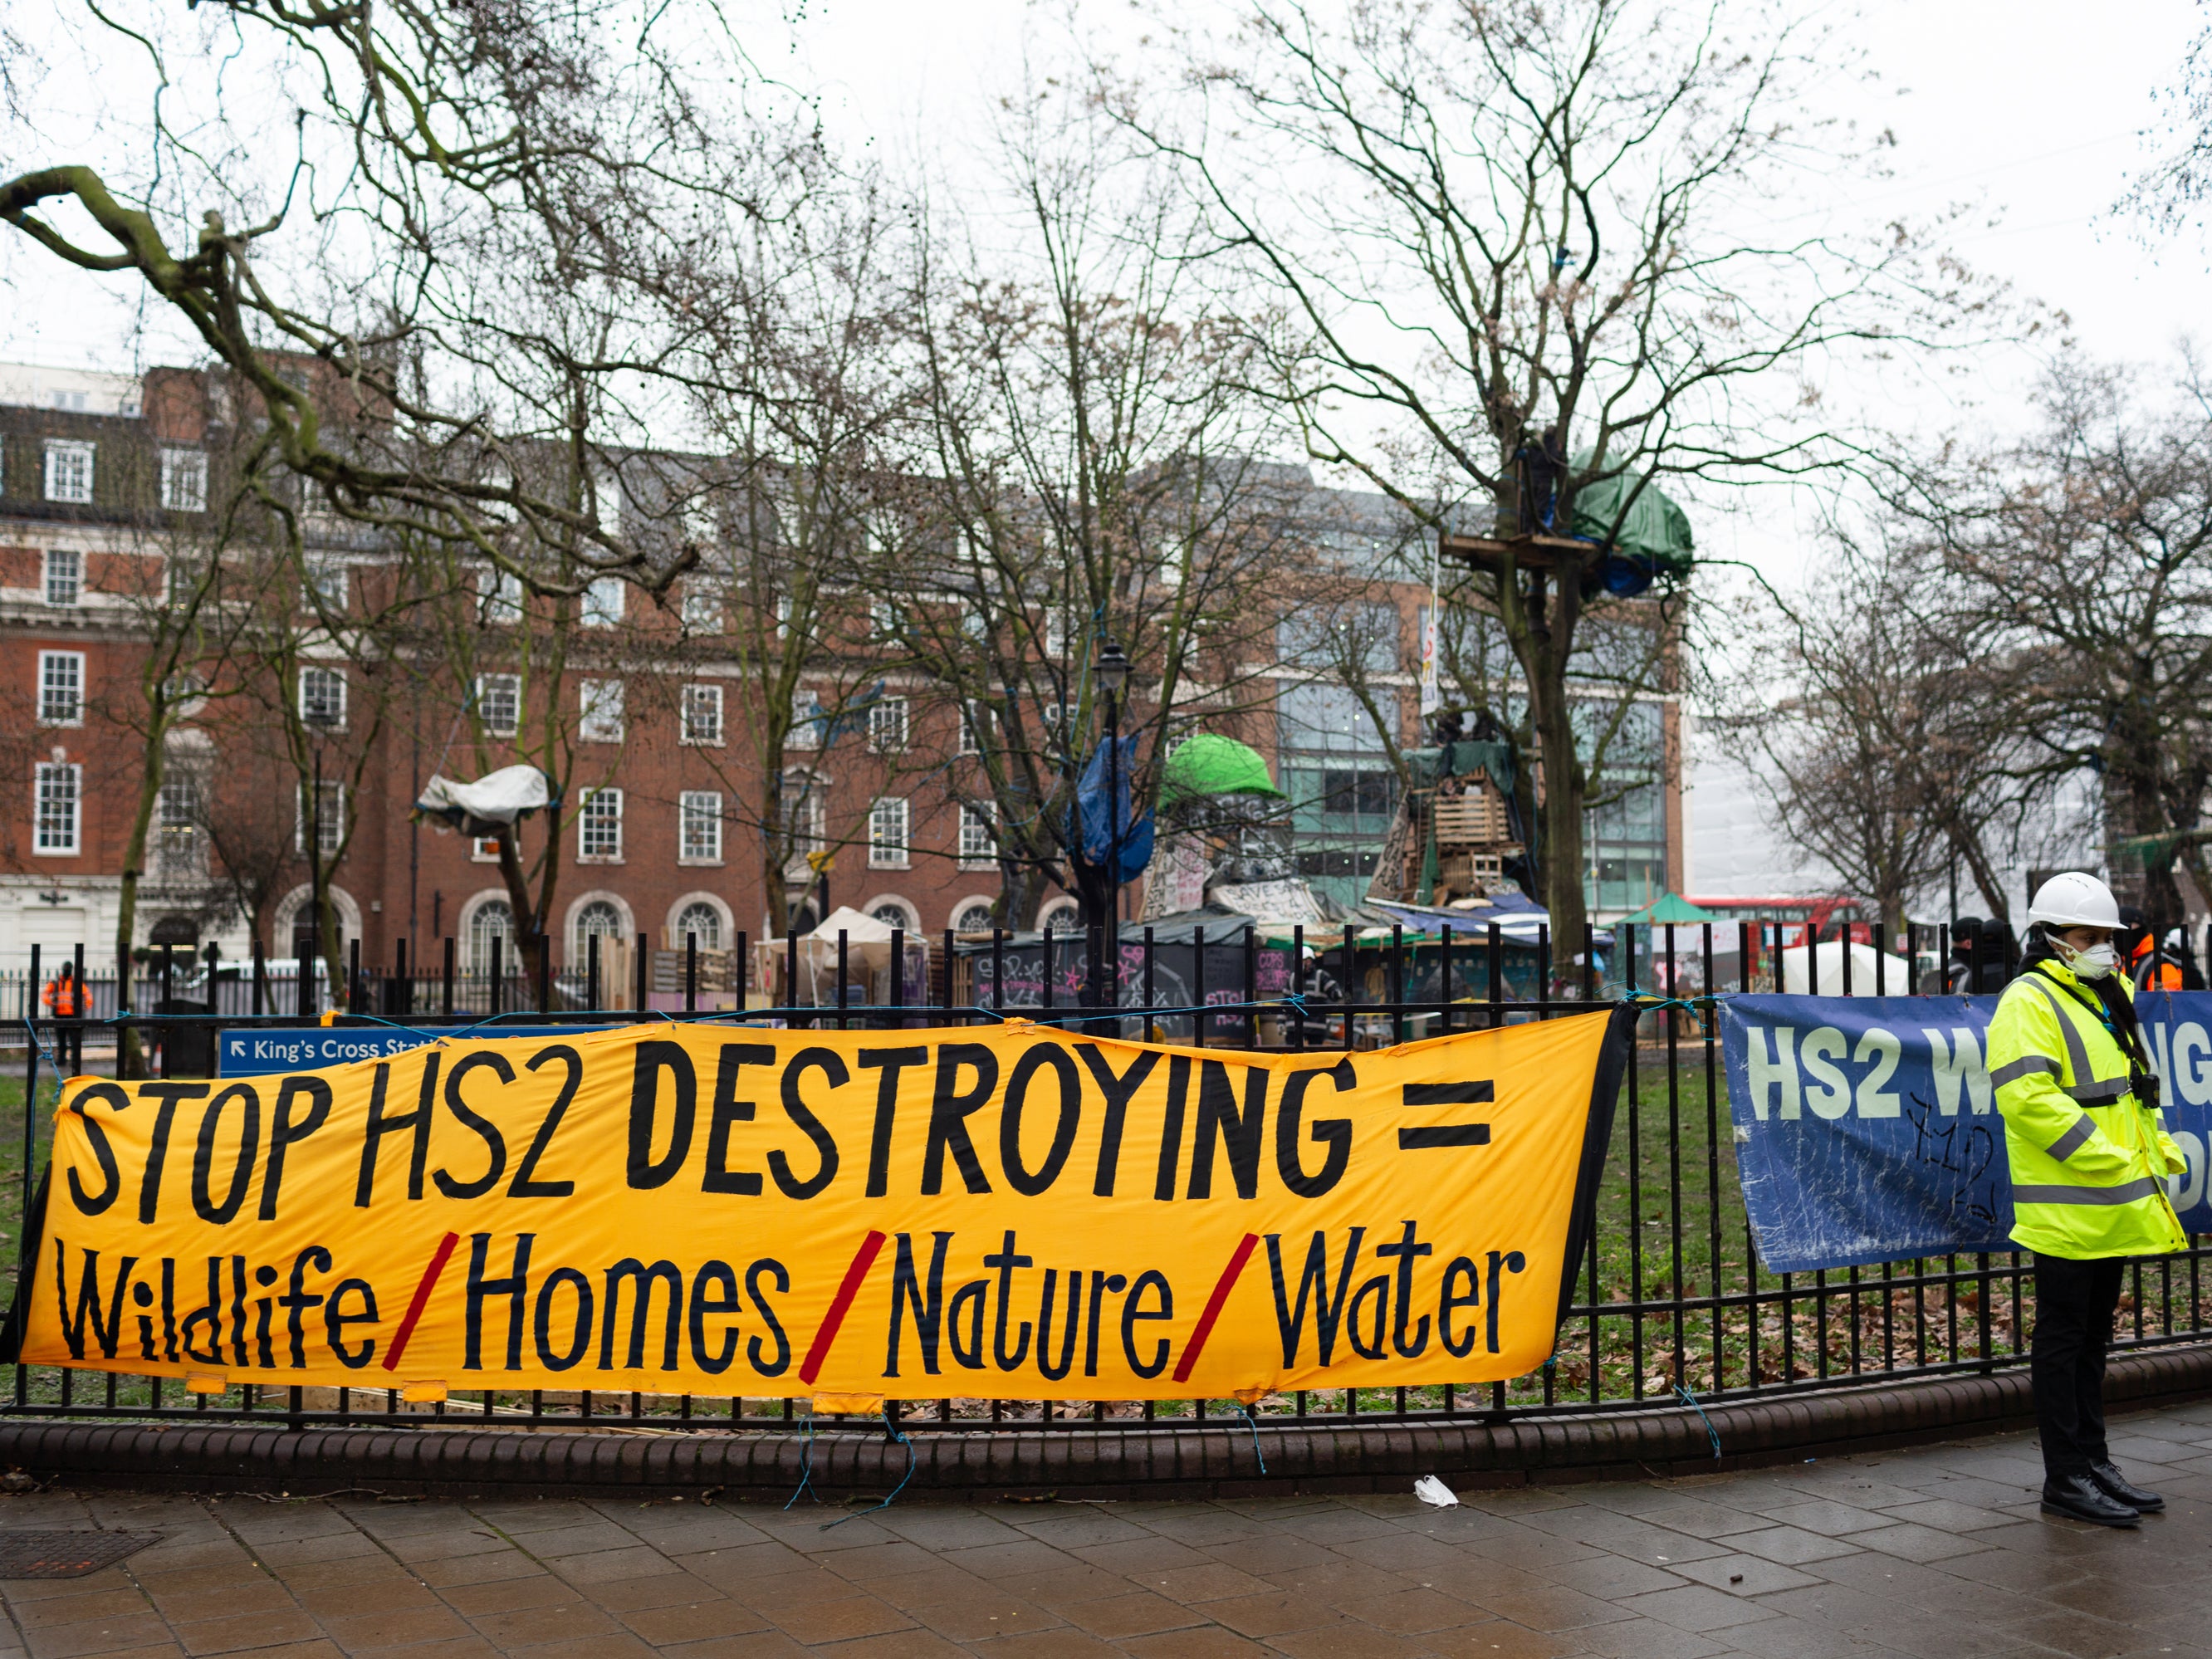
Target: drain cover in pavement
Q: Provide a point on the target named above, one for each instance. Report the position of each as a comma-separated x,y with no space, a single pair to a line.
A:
66,1554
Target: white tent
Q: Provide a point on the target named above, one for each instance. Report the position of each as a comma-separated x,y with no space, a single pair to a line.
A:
867,958
1872,971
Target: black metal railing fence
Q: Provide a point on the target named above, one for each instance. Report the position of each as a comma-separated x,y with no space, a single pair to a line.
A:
1672,1303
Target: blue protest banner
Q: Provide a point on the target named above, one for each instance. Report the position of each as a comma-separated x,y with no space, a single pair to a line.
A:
1866,1130
261,1051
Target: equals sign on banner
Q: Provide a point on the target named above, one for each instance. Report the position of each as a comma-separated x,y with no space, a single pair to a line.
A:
1446,1134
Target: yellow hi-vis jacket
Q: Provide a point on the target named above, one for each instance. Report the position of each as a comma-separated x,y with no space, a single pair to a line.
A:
2089,1160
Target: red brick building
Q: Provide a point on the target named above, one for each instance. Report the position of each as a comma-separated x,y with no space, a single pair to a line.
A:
103,478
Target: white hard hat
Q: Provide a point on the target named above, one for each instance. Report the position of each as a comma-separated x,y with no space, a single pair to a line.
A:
2072,899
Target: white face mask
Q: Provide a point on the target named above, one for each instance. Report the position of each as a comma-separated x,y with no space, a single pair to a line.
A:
2095,962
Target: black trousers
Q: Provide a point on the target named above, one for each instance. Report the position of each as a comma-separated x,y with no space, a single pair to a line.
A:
2074,1304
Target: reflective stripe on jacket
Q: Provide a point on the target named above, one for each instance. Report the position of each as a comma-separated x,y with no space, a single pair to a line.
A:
2089,1160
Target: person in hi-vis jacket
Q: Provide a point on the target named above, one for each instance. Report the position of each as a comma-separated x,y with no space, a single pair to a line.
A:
2089,1155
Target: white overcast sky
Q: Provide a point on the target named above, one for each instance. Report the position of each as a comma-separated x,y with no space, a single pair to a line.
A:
2029,109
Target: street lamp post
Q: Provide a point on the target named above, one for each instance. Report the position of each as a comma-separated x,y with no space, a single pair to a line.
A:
319,724
1112,669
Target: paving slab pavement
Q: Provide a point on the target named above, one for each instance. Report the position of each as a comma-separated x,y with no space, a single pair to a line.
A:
1937,1552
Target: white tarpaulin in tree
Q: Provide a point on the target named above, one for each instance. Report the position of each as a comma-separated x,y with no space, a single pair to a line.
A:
490,804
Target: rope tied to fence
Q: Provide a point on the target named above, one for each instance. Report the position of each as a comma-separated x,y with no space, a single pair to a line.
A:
1712,1433
903,1439
1252,1422
805,1464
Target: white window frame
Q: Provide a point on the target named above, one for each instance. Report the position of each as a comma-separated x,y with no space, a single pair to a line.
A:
706,605
316,674
70,468
184,480
581,933
182,569
887,726
974,720
979,838
700,718
499,595
699,827
60,783
332,825
479,930
599,831
488,685
804,804
330,581
600,705
61,577
890,830
483,849
707,941
806,721
179,844
61,672
602,606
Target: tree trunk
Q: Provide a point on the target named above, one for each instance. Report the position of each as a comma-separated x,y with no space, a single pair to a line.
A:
129,1051
1023,897
1561,824
1539,624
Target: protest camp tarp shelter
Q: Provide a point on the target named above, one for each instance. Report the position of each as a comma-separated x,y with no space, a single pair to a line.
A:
1206,764
867,963
1872,970
1654,527
1669,909
490,804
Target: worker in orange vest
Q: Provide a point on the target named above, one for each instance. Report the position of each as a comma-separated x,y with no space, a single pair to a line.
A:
61,1000
2167,968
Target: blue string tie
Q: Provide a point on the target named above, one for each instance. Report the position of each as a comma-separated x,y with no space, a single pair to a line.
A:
903,1439
1712,1433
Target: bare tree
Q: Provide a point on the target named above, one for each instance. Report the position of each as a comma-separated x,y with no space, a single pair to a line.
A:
1851,726
1083,469
186,589
488,231
1519,249
2072,574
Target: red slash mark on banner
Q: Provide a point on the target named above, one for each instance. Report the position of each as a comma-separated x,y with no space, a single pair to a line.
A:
1222,1286
865,1258
421,1297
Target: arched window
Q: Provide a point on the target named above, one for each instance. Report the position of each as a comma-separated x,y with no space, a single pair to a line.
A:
702,918
892,914
974,918
175,930
492,920
599,918
1060,915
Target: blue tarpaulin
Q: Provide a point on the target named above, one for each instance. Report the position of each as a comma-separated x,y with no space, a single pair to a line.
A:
1866,1130
1098,822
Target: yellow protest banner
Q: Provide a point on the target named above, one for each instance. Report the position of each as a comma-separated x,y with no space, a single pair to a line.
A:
1013,1211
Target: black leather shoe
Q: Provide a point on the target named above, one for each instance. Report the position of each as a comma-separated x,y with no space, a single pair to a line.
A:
2080,1498
2114,1485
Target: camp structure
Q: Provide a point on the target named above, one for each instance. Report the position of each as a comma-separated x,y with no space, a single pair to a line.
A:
1221,837
805,972
1456,829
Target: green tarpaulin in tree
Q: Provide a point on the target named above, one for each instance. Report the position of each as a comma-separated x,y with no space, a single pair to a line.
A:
1204,764
1655,528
